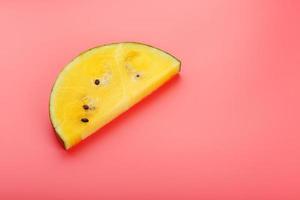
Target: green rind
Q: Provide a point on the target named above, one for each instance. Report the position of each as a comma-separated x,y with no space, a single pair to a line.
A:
61,141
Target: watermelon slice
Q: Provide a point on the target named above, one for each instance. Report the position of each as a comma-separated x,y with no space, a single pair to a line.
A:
103,82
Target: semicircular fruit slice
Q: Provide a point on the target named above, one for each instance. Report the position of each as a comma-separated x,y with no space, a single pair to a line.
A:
103,82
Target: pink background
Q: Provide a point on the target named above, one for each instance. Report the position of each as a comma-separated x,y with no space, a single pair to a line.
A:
227,128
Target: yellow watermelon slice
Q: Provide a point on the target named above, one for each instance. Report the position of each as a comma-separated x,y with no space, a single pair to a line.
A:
103,82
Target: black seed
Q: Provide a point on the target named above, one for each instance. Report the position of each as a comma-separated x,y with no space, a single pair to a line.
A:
85,107
85,120
137,75
97,82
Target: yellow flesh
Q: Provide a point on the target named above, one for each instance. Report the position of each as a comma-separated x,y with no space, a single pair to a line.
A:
127,73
